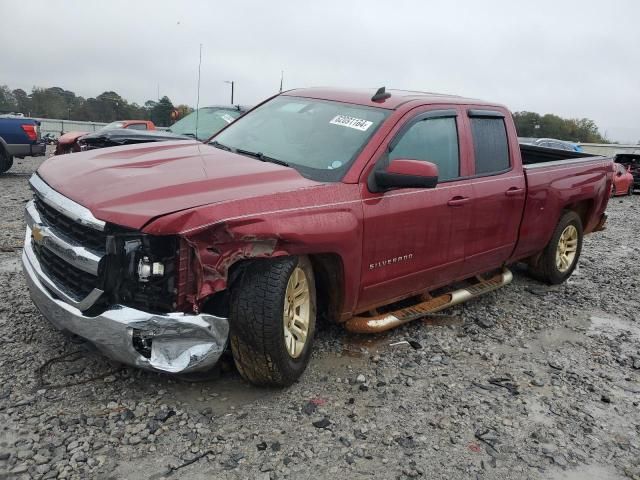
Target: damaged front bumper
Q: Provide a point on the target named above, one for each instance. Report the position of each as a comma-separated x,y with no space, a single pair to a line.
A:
173,342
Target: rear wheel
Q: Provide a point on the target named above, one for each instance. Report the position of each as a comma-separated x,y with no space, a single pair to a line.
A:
6,161
273,317
560,256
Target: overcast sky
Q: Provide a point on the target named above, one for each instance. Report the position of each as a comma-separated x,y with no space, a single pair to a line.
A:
571,58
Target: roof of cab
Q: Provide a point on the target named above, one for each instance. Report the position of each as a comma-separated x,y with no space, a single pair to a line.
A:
362,96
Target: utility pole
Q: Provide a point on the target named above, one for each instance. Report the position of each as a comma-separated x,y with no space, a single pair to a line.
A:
281,79
198,99
232,83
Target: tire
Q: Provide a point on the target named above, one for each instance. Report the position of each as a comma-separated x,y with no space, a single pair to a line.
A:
258,331
630,192
613,191
546,268
6,161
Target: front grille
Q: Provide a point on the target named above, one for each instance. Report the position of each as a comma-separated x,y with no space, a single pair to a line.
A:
117,276
86,236
73,281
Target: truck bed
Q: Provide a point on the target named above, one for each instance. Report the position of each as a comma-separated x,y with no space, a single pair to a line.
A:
558,179
532,154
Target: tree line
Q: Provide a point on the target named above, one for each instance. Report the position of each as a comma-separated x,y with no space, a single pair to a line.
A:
530,124
56,102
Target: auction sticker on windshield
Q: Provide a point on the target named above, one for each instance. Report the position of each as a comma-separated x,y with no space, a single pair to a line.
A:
351,122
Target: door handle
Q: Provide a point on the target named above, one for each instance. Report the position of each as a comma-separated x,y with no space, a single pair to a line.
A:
458,201
514,191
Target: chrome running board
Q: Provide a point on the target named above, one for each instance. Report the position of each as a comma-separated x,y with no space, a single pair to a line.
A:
387,321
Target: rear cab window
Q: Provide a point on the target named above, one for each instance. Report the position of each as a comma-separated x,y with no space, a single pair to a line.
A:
490,142
137,126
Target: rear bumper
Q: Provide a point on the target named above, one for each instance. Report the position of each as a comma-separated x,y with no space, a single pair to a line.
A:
174,342
22,150
38,150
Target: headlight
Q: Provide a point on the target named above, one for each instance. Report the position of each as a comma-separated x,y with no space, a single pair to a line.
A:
145,275
148,269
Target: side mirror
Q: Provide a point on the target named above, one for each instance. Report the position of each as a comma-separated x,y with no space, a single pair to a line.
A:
402,173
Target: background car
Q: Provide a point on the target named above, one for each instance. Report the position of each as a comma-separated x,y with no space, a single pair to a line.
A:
19,137
68,142
198,125
632,162
551,143
622,181
206,121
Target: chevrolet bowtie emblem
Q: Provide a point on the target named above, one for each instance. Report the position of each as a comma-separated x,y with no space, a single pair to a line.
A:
38,236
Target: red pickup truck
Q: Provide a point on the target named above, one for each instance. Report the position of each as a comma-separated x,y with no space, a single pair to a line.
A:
353,206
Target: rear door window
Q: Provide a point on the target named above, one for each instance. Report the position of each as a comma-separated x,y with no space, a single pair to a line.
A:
432,140
137,126
490,144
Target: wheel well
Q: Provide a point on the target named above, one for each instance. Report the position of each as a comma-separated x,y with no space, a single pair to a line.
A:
329,278
329,275
582,208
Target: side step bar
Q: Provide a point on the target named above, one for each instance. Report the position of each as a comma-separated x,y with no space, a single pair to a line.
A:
387,321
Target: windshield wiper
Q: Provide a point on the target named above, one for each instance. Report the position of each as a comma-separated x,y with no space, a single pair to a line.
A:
262,156
221,146
193,135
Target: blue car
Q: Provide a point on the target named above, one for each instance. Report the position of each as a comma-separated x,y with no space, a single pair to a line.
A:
19,137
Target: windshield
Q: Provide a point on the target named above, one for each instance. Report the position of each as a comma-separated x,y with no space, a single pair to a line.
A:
210,120
112,125
318,138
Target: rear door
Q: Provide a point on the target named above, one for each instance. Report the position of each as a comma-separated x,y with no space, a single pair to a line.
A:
498,190
414,238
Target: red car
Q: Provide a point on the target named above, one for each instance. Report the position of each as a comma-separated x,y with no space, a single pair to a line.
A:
622,181
351,206
68,142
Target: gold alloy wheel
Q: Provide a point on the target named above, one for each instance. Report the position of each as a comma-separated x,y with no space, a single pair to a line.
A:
297,312
567,248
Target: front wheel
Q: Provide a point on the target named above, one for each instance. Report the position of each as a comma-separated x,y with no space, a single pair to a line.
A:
630,192
560,257
273,319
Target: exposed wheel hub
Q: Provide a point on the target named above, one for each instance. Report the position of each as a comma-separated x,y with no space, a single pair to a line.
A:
567,248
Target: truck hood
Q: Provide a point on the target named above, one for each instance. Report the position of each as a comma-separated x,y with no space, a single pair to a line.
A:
131,185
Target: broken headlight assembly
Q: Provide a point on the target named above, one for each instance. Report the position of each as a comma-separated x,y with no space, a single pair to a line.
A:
143,271
148,269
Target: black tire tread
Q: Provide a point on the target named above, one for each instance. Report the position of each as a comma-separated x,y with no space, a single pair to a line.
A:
256,322
6,161
545,270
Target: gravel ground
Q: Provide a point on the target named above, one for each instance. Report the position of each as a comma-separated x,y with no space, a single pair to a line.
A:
527,382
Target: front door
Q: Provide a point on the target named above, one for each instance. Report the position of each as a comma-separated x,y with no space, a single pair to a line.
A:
414,238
